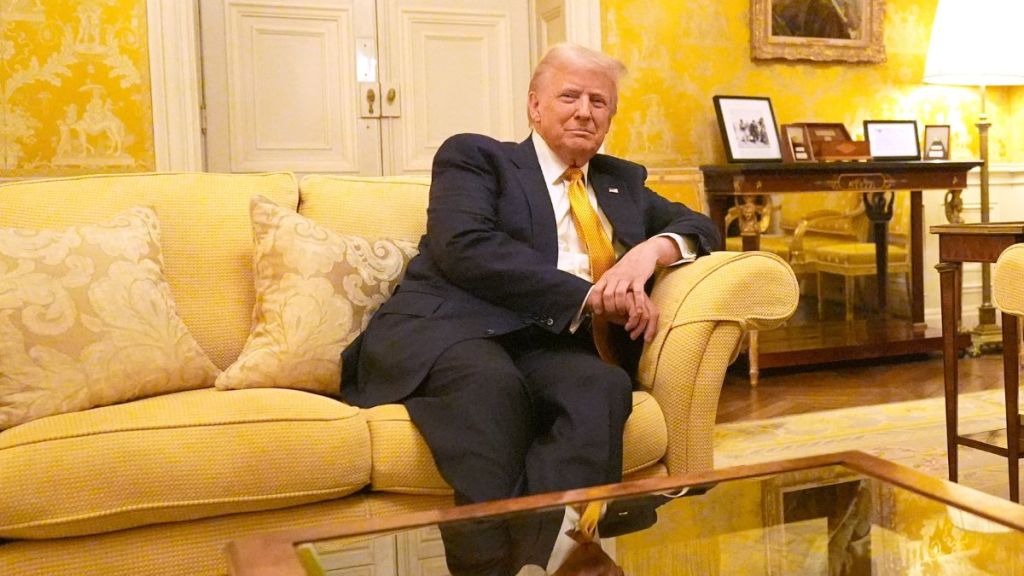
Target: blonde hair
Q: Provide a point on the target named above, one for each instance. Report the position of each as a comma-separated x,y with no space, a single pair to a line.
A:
573,55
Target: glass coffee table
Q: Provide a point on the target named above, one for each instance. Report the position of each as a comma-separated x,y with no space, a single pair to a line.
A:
842,513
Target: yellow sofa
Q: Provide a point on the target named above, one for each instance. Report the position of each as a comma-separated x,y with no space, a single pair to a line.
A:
159,485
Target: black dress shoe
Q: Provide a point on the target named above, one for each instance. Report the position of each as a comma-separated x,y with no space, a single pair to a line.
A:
630,514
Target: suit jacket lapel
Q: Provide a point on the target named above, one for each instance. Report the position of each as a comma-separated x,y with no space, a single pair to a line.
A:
542,214
617,204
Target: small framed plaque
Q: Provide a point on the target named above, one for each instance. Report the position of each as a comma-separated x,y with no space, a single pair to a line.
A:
893,139
936,142
796,144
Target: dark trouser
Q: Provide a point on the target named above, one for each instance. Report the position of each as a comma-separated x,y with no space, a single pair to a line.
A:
525,413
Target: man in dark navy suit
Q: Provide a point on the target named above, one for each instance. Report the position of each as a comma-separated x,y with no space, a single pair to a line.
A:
489,339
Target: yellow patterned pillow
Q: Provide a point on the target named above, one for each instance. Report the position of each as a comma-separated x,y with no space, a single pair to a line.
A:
315,292
87,319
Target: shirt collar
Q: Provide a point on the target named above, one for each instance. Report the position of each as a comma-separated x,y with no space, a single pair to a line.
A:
550,164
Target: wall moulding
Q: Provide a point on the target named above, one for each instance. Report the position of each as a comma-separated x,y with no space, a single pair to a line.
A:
176,85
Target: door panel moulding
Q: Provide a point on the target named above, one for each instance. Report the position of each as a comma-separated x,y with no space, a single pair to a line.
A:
177,84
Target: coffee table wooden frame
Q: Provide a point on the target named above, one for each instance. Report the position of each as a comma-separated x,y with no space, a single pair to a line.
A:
275,553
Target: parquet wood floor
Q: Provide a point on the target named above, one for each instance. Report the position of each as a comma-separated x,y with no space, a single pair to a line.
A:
785,391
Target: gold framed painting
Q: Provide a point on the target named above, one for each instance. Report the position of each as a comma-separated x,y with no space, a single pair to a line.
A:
832,508
818,30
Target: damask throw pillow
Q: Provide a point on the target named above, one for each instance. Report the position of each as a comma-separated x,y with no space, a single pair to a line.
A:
315,292
87,319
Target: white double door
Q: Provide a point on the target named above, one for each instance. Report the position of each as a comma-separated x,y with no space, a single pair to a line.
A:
367,87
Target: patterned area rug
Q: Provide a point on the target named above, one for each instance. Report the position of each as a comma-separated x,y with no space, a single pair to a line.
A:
910,433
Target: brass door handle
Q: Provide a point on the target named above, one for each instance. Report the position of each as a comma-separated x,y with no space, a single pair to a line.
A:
371,97
391,96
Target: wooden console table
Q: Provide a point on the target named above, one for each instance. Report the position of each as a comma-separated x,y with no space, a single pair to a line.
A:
745,185
959,243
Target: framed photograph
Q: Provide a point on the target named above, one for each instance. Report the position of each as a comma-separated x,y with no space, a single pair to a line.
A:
796,143
936,142
819,30
893,139
829,505
748,128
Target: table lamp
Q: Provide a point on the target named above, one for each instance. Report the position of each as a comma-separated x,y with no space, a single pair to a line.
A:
979,43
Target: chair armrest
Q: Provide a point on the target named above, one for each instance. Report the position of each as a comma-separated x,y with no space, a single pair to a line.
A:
796,250
706,308
1008,281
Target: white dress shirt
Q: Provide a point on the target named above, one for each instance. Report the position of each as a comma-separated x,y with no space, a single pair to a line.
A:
572,251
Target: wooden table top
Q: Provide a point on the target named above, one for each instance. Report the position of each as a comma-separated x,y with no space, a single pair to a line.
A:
981,228
858,166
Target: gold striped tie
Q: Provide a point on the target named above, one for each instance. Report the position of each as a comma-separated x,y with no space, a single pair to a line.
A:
599,250
589,517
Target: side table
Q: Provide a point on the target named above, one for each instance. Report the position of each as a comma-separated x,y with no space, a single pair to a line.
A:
747,185
984,242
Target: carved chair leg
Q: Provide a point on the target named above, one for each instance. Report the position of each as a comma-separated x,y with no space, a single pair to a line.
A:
752,355
848,297
1020,336
910,295
821,298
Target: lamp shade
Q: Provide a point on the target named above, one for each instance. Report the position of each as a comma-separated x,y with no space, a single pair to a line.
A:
977,43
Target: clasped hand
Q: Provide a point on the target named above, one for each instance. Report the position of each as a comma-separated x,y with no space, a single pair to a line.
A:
619,294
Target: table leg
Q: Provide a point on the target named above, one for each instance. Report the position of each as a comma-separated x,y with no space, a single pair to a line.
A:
755,368
750,231
1011,380
954,206
878,206
917,261
1020,337
719,207
949,273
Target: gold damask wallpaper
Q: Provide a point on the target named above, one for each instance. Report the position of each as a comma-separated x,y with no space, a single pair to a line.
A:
680,54
74,87
75,95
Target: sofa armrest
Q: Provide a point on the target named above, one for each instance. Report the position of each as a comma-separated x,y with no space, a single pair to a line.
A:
706,308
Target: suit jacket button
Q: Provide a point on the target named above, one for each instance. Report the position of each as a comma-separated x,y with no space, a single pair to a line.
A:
489,332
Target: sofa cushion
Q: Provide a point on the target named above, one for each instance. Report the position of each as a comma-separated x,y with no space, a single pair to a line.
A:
87,319
315,292
206,237
394,207
402,461
194,454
